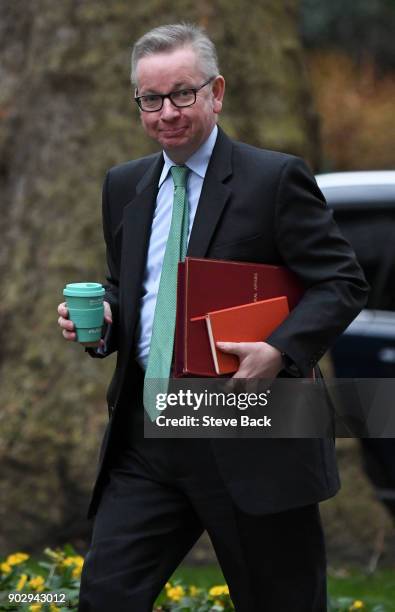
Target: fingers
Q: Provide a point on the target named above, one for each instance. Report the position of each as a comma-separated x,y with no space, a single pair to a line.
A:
67,329
236,348
67,326
107,312
62,310
243,372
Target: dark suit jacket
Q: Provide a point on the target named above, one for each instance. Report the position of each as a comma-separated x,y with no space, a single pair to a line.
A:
258,206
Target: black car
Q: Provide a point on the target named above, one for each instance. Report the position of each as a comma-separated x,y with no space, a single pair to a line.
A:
363,204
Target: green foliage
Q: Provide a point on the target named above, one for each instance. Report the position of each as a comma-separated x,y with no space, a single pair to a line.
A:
348,604
376,590
179,597
198,589
45,585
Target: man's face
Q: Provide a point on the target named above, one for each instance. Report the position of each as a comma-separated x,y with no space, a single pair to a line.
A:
180,131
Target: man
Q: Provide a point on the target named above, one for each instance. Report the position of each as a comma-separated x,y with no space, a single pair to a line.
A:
258,500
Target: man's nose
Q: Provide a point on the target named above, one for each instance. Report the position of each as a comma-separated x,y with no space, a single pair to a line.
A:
169,111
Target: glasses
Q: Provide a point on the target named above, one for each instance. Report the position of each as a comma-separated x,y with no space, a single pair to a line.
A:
180,98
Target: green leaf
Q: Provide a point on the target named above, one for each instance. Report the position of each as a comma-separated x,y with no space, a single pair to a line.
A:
45,565
69,550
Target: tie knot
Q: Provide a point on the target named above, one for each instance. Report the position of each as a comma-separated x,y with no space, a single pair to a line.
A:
179,174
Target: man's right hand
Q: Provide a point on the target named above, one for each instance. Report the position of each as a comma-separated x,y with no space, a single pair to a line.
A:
67,326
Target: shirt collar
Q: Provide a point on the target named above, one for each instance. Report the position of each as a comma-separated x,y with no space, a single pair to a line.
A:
198,162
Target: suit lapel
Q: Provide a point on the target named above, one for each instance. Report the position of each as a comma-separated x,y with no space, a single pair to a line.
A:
213,198
137,221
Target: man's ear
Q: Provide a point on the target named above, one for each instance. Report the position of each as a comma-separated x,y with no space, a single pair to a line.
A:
218,93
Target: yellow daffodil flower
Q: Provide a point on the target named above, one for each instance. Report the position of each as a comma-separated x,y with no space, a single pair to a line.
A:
357,605
21,582
17,558
5,567
77,561
37,583
175,593
216,591
35,608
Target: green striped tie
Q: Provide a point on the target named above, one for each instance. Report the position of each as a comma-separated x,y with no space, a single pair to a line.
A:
162,339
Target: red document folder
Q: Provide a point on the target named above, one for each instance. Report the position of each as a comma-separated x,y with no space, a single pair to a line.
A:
248,323
205,285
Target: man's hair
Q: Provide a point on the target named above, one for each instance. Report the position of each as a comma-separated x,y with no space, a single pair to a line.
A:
168,38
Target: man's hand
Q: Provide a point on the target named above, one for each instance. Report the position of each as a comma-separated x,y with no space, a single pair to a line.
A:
67,326
257,359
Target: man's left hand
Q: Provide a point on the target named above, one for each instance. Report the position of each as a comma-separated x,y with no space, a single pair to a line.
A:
257,359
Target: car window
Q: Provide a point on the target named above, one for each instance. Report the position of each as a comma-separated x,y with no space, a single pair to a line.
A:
372,236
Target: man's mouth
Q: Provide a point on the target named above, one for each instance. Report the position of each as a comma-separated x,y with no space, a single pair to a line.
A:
173,131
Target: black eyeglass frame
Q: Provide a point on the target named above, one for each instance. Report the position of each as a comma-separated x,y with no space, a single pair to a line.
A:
194,90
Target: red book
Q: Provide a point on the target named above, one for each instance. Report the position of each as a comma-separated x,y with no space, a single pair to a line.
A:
248,323
205,285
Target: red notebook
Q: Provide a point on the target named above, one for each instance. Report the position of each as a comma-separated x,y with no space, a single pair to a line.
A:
205,285
248,323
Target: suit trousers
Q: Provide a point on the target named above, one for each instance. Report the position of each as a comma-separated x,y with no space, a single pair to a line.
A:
159,497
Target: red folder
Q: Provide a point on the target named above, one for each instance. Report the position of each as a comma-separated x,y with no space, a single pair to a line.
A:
247,323
205,285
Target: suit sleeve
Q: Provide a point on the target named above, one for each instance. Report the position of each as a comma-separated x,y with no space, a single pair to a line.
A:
311,244
110,332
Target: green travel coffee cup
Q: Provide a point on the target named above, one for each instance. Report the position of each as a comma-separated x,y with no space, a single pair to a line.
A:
85,305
